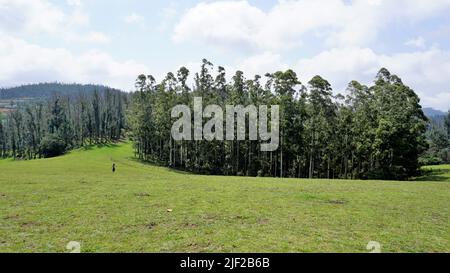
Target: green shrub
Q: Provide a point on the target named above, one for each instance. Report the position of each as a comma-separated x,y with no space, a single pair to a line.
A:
430,160
52,146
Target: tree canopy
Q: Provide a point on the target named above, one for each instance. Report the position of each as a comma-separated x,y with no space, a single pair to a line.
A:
374,132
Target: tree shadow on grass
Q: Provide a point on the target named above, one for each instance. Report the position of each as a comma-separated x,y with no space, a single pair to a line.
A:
98,146
147,162
156,163
436,175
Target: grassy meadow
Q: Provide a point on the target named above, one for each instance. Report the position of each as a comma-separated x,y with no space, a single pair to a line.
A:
436,173
45,204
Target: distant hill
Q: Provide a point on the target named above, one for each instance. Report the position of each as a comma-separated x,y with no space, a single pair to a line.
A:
436,117
44,90
430,112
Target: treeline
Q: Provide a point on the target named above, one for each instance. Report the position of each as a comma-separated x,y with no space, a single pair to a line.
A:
374,132
59,123
47,90
438,137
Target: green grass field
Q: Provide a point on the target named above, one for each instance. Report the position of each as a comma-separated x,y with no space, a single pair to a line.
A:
44,204
436,173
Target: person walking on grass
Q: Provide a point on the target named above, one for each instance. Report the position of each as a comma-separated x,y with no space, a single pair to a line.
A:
114,167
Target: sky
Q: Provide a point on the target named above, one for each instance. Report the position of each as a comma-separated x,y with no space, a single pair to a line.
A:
111,42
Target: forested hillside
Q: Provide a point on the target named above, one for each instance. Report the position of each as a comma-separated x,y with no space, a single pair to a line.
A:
50,127
376,131
438,138
45,90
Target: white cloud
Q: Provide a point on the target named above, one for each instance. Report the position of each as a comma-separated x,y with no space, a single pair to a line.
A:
30,16
23,18
23,62
167,16
91,37
425,71
338,22
262,64
78,18
340,66
226,23
133,18
418,42
346,29
75,3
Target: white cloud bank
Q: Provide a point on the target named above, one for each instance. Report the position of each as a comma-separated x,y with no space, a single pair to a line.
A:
346,28
425,71
28,63
38,17
30,16
339,22
24,17
24,62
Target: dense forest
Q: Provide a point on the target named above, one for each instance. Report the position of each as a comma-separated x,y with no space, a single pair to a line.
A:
50,127
375,132
47,90
438,136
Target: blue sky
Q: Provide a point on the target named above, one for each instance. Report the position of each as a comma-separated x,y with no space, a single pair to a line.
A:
112,41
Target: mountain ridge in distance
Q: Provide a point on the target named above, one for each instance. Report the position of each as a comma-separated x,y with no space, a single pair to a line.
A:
431,112
43,90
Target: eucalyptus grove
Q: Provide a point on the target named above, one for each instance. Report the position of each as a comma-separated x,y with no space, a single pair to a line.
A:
373,132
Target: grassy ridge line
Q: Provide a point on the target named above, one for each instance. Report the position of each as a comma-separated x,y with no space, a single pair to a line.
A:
44,204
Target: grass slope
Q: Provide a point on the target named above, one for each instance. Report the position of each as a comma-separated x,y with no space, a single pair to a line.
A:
44,204
436,173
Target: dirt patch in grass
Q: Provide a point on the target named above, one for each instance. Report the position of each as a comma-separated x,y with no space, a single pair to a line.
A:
12,217
210,217
142,194
240,217
190,225
199,247
337,202
151,225
30,224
